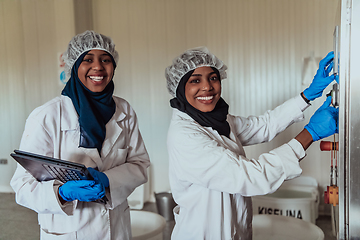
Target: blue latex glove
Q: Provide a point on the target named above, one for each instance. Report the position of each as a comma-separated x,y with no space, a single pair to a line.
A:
82,190
99,177
324,122
321,79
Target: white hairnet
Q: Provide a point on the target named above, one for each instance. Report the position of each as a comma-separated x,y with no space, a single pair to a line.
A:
86,41
188,61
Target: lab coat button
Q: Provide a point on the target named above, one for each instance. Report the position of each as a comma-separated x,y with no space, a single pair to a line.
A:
103,212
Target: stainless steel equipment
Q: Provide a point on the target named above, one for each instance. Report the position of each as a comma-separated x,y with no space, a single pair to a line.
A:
349,122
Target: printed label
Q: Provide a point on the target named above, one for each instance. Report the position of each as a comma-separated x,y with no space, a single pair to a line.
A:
277,211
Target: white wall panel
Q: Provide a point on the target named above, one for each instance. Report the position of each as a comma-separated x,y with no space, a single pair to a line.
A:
29,66
12,98
263,42
158,107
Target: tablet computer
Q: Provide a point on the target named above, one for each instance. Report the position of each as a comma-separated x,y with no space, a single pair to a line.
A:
45,168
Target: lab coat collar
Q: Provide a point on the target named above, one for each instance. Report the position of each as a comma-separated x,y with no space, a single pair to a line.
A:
113,127
69,122
69,116
177,114
184,116
70,119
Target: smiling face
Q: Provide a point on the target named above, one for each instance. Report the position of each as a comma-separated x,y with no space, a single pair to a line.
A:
203,89
96,70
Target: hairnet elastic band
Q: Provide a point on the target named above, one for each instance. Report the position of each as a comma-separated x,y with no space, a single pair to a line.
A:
96,48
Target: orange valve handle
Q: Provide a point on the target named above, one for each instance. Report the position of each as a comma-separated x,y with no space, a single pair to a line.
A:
328,146
333,195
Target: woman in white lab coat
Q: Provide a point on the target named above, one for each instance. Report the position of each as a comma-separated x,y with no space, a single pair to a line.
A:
87,125
211,178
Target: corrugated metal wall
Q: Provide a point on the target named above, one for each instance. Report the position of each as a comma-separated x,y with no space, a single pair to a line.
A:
263,42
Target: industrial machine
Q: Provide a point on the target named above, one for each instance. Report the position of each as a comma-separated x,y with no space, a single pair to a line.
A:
343,192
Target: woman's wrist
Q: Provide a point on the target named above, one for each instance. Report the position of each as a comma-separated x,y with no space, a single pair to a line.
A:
304,138
62,201
305,99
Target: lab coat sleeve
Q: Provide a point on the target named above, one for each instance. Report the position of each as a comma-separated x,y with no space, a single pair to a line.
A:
254,130
125,177
196,158
42,196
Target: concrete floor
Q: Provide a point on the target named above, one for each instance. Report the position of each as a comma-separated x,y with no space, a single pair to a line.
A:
19,223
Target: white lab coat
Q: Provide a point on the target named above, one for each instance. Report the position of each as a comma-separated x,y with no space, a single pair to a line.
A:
53,130
211,179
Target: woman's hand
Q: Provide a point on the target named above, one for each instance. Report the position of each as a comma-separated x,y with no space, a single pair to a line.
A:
82,190
324,122
321,79
99,177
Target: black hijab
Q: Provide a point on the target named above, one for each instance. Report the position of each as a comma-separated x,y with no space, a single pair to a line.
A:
95,109
215,119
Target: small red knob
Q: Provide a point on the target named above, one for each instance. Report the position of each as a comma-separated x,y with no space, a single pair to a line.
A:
328,146
326,197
